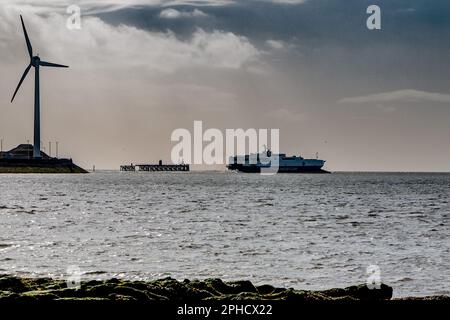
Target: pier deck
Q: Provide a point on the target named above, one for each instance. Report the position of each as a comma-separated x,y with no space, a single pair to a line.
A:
155,167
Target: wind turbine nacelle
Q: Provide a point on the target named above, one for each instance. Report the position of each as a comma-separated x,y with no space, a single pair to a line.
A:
35,61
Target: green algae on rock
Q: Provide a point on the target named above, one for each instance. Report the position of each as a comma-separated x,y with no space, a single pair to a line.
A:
168,289
13,288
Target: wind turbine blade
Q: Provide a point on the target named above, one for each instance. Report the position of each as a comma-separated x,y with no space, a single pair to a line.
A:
49,64
21,80
30,49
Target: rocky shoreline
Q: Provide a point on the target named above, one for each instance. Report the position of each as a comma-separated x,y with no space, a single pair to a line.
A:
13,288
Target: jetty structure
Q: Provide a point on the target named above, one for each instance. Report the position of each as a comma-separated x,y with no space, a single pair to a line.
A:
155,167
28,158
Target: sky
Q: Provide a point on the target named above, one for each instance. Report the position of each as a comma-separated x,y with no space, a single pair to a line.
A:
365,100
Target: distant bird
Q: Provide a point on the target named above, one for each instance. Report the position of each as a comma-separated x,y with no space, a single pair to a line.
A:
36,62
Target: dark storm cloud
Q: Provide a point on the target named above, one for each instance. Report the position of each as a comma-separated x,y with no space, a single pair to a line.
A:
335,21
328,39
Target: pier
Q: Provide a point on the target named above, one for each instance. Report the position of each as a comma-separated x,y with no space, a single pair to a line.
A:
155,167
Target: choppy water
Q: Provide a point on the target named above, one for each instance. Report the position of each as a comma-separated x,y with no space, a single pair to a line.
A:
302,231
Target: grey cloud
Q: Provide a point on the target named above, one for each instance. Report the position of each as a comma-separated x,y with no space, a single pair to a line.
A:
275,44
97,44
176,14
400,95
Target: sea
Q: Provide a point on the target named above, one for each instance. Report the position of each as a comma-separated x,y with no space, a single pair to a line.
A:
289,230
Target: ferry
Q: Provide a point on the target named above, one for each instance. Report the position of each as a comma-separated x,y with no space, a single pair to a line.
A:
280,163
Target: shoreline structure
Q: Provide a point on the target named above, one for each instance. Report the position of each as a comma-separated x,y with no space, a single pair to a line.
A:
21,160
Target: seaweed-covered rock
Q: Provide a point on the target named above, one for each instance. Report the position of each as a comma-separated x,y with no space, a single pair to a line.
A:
14,284
265,289
40,295
45,289
235,287
361,292
439,298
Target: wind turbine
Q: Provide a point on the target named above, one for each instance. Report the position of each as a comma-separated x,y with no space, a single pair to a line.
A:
35,62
